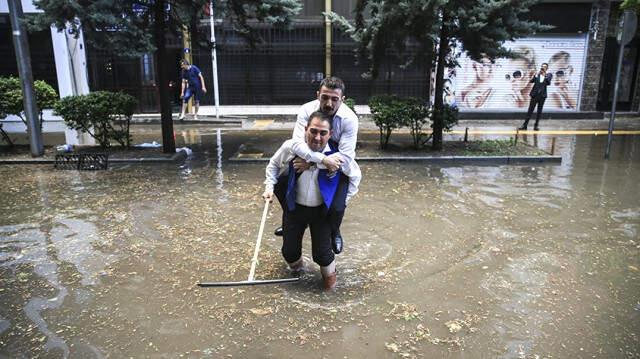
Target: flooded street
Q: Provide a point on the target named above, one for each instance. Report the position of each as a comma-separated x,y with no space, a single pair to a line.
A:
533,261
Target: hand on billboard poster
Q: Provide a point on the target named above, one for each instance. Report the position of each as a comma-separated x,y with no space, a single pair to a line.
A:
520,70
476,94
563,94
449,94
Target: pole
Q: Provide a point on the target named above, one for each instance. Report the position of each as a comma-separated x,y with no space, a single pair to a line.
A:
214,60
254,261
615,100
23,58
328,39
186,49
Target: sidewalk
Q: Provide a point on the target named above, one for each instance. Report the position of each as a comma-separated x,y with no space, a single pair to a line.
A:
276,117
490,126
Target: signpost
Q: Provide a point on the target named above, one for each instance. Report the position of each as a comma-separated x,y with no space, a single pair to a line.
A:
626,32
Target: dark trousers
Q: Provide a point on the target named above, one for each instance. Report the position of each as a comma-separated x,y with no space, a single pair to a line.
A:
296,222
537,100
338,206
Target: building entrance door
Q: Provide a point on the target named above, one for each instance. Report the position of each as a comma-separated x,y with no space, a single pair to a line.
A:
627,75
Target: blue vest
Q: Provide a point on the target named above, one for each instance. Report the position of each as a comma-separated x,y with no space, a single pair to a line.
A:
328,184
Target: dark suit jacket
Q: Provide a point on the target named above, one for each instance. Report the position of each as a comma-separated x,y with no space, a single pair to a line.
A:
540,88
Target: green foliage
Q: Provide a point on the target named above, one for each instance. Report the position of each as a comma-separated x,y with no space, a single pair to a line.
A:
105,116
448,116
12,102
385,110
415,114
631,5
10,96
351,103
393,112
128,27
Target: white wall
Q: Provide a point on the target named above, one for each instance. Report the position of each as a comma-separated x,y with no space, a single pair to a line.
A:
27,6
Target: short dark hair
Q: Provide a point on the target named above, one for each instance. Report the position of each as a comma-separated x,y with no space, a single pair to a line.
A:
333,83
544,63
322,117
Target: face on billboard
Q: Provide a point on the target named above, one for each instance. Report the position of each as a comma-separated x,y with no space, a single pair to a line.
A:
518,73
561,71
483,69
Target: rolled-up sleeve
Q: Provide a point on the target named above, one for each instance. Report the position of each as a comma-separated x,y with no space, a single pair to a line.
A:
355,176
348,139
274,168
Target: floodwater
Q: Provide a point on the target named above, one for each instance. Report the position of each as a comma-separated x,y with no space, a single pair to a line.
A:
533,261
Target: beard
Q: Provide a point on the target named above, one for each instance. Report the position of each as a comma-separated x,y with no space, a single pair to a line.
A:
327,110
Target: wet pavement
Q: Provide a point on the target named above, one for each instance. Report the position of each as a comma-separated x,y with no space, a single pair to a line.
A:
440,261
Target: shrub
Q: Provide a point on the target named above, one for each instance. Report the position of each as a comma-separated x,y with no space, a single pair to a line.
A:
12,103
105,116
351,103
415,114
449,116
387,115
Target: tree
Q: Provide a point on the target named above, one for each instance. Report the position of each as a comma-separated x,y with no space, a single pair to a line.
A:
134,27
630,5
480,27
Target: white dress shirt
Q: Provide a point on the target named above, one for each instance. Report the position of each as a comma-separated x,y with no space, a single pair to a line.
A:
307,188
344,132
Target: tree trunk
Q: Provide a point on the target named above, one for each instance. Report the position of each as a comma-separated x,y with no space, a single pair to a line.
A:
168,141
443,51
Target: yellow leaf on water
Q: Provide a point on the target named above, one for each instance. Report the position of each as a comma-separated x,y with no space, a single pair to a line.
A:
258,311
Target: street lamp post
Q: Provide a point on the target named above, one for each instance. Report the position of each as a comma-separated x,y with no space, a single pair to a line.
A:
214,59
23,58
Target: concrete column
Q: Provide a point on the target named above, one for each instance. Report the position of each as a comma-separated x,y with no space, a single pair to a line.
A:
599,24
71,70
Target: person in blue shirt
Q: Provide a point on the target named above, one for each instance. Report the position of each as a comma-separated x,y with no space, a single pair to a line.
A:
192,86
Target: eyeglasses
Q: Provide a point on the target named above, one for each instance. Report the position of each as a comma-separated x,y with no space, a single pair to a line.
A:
315,132
562,72
516,75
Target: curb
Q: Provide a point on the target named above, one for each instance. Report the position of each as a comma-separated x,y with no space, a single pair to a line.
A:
176,157
490,160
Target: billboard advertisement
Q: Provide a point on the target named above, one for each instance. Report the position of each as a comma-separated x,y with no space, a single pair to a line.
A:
504,85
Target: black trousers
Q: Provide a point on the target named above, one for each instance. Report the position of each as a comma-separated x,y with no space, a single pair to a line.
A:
338,206
539,101
296,222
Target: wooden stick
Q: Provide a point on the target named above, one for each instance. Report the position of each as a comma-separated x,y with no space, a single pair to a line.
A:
254,261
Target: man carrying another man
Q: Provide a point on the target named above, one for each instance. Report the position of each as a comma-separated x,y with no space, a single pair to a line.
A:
309,195
344,123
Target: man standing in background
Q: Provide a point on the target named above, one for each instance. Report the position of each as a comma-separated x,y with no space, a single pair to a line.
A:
538,95
192,86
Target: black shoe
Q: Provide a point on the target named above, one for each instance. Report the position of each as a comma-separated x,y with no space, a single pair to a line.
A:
536,128
522,128
337,243
278,232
